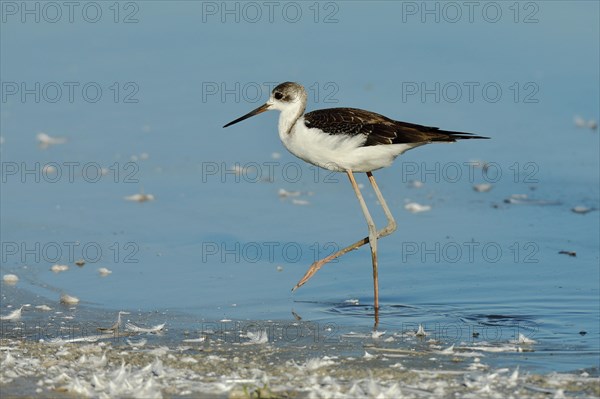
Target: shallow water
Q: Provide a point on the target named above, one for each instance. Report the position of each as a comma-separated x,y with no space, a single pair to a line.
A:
217,251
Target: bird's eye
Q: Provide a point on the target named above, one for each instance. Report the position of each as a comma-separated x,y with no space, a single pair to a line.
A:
278,96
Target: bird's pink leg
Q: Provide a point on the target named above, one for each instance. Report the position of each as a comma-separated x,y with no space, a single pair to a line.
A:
372,237
390,228
318,264
372,240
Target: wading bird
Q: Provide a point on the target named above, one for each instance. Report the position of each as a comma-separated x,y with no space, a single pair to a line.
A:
348,140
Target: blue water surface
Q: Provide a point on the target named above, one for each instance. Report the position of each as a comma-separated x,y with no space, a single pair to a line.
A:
151,92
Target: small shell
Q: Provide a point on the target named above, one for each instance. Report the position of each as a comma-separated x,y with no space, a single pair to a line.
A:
11,279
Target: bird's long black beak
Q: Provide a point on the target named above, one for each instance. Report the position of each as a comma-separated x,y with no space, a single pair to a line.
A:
261,109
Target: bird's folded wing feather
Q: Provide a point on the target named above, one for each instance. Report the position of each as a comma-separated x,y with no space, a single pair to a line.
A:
377,128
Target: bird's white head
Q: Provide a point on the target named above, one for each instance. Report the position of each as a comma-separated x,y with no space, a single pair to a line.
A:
288,97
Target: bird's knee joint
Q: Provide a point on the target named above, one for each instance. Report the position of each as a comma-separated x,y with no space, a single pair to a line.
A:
372,231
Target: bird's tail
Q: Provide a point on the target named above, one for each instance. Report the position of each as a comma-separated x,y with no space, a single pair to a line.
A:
450,137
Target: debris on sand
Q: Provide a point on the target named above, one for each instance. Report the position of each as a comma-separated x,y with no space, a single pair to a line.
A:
258,337
116,325
523,339
14,315
152,330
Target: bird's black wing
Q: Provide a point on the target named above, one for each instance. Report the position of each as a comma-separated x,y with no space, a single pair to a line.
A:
377,128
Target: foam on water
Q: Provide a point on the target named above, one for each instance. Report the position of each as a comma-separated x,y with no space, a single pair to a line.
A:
160,361
104,370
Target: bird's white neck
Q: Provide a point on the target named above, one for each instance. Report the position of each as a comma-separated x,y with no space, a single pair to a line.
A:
289,116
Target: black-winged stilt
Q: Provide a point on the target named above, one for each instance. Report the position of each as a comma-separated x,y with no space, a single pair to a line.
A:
348,140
